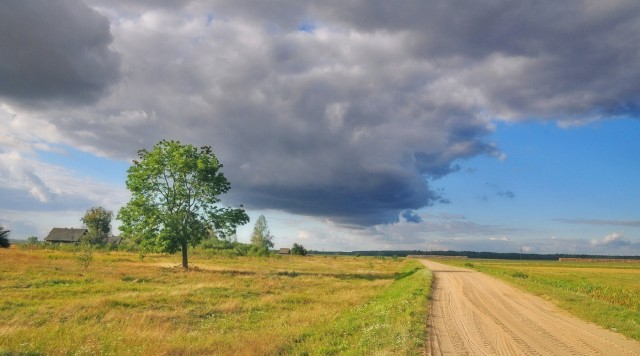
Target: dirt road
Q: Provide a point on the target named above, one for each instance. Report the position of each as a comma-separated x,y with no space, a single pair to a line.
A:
475,314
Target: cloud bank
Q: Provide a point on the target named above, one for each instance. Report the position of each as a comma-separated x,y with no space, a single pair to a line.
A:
55,50
346,110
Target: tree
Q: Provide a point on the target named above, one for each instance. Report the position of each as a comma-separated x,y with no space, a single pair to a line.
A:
83,255
175,193
298,250
261,238
4,237
97,220
32,240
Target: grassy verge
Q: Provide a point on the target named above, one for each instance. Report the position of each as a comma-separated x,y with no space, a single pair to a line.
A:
394,322
246,305
605,293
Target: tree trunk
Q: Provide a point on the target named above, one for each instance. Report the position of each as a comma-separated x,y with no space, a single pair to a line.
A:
185,262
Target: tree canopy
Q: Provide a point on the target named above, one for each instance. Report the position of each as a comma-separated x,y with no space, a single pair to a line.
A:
4,237
298,249
175,191
97,220
261,238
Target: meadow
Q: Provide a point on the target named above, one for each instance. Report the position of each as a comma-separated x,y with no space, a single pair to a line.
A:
124,305
605,293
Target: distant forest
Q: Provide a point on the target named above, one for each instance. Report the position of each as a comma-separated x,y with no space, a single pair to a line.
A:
471,254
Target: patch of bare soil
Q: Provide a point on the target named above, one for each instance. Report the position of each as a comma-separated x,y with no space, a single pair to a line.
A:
476,314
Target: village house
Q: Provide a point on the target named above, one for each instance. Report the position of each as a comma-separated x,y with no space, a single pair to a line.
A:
65,235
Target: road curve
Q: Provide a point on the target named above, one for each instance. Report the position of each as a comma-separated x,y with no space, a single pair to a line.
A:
475,314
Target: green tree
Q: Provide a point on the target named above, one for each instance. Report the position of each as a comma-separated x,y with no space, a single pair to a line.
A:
175,193
97,220
4,237
261,238
83,255
298,249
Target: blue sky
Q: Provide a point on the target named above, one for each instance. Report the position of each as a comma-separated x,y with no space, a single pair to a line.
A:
366,125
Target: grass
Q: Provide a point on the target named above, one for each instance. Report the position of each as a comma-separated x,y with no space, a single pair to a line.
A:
245,305
392,323
605,293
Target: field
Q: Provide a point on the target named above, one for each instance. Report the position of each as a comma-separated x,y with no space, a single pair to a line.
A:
242,305
605,293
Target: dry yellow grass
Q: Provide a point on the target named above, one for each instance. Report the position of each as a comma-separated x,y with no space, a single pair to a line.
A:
122,305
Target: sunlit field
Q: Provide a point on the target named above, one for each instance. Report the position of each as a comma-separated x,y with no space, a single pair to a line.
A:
605,293
222,305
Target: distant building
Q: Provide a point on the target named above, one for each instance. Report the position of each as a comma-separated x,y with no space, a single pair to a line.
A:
284,251
65,235
114,240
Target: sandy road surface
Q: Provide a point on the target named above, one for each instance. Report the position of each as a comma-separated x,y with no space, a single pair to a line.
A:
475,314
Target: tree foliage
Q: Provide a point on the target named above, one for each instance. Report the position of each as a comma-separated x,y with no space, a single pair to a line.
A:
298,249
4,237
97,220
175,193
83,255
261,238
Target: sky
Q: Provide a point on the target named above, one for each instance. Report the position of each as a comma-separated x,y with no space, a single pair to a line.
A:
351,125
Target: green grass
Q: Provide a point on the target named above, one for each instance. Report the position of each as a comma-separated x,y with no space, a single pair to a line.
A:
243,305
605,293
392,323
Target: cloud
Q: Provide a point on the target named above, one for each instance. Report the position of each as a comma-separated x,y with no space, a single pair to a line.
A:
503,238
497,191
410,216
612,239
446,226
351,121
635,223
55,50
506,194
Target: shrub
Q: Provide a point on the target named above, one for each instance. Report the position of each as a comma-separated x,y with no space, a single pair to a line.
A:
4,237
520,275
298,249
83,255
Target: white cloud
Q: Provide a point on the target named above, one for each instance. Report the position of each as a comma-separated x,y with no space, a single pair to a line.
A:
503,238
614,238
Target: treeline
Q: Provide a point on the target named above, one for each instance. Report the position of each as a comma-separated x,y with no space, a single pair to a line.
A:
472,254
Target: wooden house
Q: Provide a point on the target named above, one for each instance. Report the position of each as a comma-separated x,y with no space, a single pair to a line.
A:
65,235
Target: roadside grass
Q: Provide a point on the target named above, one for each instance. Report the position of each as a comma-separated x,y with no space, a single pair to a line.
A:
244,305
393,323
605,293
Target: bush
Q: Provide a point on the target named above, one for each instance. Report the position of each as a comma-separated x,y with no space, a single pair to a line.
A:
520,275
298,250
4,237
254,250
83,255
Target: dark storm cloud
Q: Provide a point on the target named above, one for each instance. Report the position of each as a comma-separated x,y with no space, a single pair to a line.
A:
530,59
412,217
350,121
54,50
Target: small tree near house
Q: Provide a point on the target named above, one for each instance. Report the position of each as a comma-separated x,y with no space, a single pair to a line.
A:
298,249
97,220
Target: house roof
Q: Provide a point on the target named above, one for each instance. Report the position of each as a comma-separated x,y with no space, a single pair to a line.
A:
59,234
114,240
284,251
